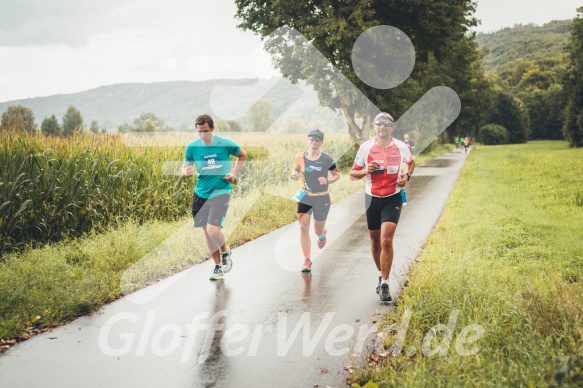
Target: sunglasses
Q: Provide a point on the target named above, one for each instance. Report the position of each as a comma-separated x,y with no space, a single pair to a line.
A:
317,140
384,124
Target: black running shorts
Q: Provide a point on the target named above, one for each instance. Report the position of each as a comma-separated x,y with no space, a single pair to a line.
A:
317,204
379,210
210,210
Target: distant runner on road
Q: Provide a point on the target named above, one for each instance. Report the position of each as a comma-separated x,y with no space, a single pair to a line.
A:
314,166
210,153
407,140
379,160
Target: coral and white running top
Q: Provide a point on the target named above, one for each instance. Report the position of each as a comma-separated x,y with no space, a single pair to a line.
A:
383,181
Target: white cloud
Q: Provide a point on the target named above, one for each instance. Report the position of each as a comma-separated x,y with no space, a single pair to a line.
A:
131,44
37,22
497,14
64,46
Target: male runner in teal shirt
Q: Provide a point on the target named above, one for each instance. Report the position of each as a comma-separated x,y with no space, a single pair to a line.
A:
210,153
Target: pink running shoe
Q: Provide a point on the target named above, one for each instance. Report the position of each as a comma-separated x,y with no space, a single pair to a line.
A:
321,242
307,267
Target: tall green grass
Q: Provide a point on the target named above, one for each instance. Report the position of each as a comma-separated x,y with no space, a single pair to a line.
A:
41,288
508,254
53,188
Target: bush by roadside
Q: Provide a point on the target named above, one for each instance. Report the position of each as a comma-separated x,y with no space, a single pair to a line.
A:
492,134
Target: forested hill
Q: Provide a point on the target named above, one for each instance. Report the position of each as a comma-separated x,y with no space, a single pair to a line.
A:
178,103
530,63
524,42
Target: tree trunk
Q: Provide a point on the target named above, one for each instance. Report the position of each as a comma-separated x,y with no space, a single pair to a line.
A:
358,134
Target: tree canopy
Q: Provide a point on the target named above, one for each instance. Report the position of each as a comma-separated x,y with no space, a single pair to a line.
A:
528,62
94,127
261,117
146,122
72,121
50,126
438,30
510,113
19,118
524,42
573,127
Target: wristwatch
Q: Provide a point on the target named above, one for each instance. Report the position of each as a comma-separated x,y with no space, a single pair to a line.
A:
409,177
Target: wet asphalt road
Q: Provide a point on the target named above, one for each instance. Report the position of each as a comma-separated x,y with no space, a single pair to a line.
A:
265,325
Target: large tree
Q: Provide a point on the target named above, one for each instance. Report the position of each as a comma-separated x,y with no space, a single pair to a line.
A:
50,126
124,128
235,126
94,127
72,121
510,113
435,27
146,122
573,127
20,118
476,91
260,117
545,110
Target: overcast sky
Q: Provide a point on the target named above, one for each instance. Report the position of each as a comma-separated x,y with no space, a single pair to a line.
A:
64,46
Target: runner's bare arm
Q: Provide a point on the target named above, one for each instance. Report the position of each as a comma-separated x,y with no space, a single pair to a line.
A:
187,170
405,178
295,175
335,176
241,157
359,174
411,167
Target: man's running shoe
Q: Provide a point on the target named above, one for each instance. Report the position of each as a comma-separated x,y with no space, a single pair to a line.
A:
307,267
321,242
226,260
217,273
379,285
385,295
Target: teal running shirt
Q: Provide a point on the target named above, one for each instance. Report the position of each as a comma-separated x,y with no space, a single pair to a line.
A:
212,164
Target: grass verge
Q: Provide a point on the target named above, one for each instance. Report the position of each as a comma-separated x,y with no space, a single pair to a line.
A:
507,258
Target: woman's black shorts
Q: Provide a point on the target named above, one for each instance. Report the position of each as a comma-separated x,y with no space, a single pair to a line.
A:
317,204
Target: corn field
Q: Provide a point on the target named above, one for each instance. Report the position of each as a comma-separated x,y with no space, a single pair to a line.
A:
55,188
52,188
